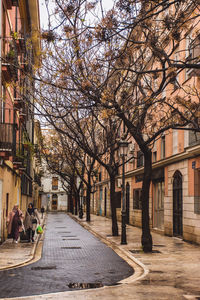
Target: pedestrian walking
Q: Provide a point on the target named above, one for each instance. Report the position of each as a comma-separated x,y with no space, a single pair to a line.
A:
42,211
30,222
14,223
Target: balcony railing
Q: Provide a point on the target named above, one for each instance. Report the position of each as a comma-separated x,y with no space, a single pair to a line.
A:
7,137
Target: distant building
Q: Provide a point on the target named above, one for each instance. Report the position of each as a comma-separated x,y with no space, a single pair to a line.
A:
53,195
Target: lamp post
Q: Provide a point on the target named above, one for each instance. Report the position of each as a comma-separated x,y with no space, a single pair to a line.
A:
123,147
81,205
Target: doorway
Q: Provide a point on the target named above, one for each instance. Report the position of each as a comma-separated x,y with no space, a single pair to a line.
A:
158,201
100,200
105,201
54,204
177,205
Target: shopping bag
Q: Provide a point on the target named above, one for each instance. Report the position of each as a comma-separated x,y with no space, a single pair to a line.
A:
39,230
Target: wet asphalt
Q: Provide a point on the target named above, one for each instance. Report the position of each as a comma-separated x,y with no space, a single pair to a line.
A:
72,258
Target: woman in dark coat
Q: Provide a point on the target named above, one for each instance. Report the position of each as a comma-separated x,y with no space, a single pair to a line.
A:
14,223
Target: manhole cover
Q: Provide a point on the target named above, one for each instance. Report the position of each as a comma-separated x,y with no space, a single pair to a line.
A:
70,247
43,268
85,285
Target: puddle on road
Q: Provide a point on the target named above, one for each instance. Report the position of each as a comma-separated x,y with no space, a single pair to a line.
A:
85,285
44,268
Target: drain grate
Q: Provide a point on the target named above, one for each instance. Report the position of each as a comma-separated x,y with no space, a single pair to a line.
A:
60,227
85,285
70,247
156,271
44,268
71,239
159,246
141,251
68,236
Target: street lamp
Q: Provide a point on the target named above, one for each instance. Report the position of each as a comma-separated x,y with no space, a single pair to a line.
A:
81,205
123,148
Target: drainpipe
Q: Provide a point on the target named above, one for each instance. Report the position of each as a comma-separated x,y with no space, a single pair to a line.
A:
1,219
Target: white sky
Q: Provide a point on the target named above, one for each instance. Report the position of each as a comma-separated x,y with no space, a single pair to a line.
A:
44,17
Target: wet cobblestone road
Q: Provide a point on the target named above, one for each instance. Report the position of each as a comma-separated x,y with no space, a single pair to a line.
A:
70,255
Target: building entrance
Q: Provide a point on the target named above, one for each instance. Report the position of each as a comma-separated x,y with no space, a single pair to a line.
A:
54,205
177,205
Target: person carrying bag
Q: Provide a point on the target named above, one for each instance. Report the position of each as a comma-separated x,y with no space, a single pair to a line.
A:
30,222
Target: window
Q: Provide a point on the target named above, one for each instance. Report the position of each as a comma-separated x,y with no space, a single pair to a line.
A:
192,55
154,156
163,146
118,199
2,105
54,183
175,141
137,203
99,176
140,159
7,203
194,138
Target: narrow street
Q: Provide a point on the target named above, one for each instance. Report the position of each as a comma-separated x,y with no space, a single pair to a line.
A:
71,257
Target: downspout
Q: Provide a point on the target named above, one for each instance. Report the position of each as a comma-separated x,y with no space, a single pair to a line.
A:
1,219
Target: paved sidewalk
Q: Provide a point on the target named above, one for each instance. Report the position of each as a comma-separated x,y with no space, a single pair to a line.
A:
13,255
172,272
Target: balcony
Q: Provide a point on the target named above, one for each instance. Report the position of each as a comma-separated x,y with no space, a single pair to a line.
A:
7,134
9,59
9,4
18,103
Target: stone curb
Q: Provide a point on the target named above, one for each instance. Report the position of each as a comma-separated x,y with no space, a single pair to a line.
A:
140,270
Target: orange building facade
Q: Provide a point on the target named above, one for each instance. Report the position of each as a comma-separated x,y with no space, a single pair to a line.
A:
20,45
175,188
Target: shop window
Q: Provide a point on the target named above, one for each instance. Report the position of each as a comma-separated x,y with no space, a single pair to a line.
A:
137,203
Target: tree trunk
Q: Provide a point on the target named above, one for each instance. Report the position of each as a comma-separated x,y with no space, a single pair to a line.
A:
76,203
70,203
113,206
146,235
88,203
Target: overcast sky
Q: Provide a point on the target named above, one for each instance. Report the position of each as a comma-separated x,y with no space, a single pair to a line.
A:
43,13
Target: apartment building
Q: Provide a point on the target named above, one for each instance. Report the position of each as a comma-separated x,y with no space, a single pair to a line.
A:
175,187
19,47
